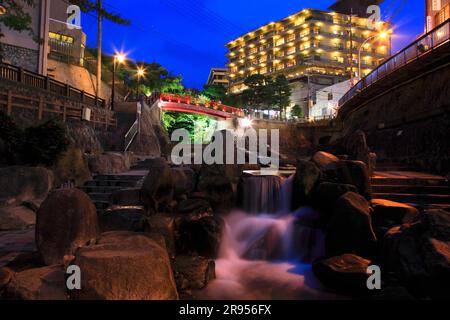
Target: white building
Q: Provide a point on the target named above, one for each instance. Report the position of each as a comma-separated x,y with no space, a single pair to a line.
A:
326,101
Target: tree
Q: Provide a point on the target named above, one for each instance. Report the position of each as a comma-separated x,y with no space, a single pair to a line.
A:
297,112
281,94
259,92
215,92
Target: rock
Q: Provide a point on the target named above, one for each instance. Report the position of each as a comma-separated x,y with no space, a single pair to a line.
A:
328,193
194,206
72,166
201,236
436,255
194,272
66,220
123,219
357,148
217,187
324,159
164,225
158,188
127,197
437,223
84,137
125,266
345,274
47,283
25,261
16,218
20,184
109,163
350,229
388,214
306,178
183,180
5,277
350,172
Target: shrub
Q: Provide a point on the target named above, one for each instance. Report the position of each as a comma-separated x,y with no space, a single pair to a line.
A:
11,139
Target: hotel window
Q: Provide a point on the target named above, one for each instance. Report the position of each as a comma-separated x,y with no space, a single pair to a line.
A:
291,38
253,50
280,54
291,50
60,37
263,71
291,63
263,59
443,15
280,42
280,67
338,59
304,33
233,70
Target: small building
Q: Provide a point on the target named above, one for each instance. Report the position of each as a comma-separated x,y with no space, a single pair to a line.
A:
324,102
437,11
218,76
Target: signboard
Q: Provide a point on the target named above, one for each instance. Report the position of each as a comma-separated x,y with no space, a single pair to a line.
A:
429,24
436,5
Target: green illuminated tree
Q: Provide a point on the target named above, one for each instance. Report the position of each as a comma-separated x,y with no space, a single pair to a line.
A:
281,94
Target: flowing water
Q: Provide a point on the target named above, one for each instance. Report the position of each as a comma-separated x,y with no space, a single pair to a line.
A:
267,250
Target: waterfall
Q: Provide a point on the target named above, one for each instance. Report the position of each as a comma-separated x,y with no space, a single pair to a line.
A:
266,252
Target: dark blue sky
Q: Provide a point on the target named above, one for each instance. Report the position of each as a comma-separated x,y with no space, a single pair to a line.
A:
188,36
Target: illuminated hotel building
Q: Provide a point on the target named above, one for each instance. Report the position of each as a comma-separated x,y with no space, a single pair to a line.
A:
311,43
437,11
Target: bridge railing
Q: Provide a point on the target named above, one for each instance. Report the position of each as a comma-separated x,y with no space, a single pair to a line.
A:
218,106
35,80
420,47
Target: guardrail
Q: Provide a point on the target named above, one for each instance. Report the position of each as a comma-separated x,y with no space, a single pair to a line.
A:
420,47
35,80
198,102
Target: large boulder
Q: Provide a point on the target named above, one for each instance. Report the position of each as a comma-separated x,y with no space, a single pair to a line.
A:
66,220
46,283
357,148
388,214
22,184
324,159
350,172
194,206
345,273
127,197
125,266
109,163
183,181
72,166
16,218
327,193
216,184
419,254
164,225
193,272
158,188
200,236
350,229
306,178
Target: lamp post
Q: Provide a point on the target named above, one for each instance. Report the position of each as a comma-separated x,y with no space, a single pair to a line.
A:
118,59
382,35
140,72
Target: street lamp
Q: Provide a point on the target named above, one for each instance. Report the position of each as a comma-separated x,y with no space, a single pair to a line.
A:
119,58
2,10
140,72
382,35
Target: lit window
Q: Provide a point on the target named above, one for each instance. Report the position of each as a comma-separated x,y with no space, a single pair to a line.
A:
280,42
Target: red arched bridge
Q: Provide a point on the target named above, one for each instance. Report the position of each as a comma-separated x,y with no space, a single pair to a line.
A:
188,104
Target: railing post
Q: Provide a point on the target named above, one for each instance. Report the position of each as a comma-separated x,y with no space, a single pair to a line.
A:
9,103
41,108
20,75
67,90
82,96
47,83
64,111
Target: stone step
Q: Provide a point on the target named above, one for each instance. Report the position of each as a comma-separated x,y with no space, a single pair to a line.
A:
393,168
118,177
101,205
414,198
100,196
427,206
409,181
111,183
411,189
100,189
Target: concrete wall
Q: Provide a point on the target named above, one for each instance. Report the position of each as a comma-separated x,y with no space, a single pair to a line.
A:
78,77
410,122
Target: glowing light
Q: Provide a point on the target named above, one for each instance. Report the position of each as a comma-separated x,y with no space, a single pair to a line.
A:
246,123
383,35
2,10
140,72
120,57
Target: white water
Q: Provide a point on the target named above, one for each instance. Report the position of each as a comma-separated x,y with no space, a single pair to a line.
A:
268,256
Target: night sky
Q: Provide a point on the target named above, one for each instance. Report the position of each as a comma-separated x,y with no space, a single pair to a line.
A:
188,36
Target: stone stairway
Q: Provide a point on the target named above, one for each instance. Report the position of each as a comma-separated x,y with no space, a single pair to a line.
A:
399,183
103,186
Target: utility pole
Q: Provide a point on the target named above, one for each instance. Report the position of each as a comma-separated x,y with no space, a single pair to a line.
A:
99,48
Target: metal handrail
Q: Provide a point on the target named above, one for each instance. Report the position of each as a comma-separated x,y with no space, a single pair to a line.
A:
423,45
131,134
